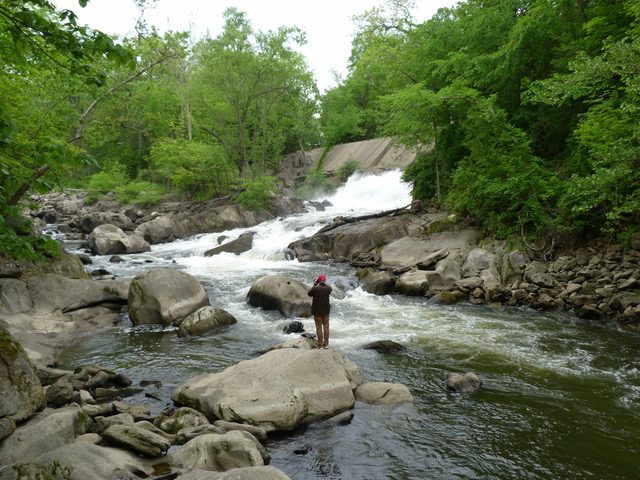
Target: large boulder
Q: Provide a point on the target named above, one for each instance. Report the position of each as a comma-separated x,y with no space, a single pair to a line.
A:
513,265
484,264
284,294
161,229
205,320
413,283
65,264
218,453
378,283
219,219
163,296
345,239
44,332
111,240
14,296
425,251
22,394
278,390
446,274
79,461
46,431
52,292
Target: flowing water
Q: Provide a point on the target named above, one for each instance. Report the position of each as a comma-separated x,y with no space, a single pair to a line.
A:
560,397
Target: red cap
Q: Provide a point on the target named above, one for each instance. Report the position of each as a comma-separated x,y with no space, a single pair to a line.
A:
322,278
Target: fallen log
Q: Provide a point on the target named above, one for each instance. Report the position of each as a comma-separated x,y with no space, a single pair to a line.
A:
339,221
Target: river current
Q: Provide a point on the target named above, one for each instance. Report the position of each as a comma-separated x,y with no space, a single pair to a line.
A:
560,398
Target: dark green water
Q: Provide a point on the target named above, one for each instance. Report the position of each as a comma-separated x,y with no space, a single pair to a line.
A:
560,396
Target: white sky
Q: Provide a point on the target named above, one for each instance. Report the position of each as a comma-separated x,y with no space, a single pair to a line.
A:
327,22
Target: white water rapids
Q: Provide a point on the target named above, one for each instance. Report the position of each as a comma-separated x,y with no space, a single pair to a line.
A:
560,399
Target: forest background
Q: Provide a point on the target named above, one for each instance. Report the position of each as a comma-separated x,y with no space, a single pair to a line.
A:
531,110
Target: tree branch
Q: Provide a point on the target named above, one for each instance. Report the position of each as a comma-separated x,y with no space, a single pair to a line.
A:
85,116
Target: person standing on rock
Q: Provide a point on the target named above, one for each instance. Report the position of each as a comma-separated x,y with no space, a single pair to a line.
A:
320,308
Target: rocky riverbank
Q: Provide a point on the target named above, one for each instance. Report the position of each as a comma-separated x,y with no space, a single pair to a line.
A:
432,255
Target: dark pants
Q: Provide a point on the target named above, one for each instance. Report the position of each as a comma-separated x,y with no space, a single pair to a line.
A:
322,329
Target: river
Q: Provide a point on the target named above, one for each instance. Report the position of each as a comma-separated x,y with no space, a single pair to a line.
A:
560,396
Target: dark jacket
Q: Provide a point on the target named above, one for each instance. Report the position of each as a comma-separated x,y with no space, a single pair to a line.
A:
320,304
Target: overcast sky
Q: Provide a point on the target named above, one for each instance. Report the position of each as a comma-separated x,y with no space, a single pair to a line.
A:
327,22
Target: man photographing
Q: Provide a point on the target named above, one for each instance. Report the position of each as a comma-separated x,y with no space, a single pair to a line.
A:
320,308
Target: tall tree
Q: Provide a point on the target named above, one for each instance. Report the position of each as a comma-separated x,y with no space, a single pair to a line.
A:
247,89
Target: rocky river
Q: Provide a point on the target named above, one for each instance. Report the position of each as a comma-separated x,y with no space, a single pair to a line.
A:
551,338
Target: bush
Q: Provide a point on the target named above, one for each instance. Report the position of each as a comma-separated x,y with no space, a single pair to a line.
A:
256,194
34,247
106,181
314,185
197,168
143,192
350,167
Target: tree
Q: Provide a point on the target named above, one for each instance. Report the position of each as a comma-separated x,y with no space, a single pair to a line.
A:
39,46
426,120
500,180
602,185
120,123
376,68
249,90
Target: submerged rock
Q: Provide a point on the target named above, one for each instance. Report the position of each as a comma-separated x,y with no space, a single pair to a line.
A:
463,383
384,346
383,393
242,244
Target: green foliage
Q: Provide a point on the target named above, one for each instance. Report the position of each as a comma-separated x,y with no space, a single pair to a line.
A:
36,247
349,167
501,182
105,182
47,62
257,193
250,92
341,119
198,168
527,111
315,184
142,192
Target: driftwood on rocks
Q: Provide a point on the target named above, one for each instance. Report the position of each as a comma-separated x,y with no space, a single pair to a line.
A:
339,221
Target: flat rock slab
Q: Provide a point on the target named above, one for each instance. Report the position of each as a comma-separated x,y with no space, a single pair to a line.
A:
277,391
